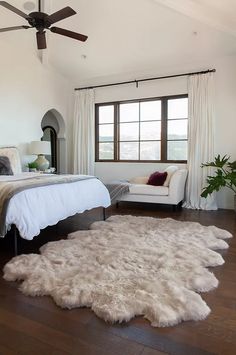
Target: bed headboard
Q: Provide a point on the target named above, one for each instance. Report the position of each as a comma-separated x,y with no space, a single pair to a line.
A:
14,156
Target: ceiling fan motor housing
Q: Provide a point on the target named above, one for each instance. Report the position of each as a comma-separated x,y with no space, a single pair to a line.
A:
39,21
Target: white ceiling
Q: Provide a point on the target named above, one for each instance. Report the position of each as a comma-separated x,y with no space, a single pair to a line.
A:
131,36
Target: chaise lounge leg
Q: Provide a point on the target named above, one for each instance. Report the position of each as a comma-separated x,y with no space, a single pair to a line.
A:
117,204
174,208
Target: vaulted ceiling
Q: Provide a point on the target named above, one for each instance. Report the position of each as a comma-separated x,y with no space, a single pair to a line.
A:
130,36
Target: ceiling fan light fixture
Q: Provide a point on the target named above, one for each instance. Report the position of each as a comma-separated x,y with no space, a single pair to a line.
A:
29,5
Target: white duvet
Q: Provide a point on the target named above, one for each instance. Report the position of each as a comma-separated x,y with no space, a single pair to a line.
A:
37,208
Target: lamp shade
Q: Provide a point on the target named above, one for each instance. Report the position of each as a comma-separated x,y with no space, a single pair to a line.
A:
40,147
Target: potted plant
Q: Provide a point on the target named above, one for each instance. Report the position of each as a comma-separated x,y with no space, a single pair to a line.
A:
32,166
225,176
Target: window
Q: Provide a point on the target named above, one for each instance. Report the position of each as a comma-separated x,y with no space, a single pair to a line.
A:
143,130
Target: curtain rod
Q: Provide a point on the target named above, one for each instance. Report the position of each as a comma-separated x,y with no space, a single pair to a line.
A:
147,79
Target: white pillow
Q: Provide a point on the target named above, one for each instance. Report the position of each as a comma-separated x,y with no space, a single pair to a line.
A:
139,180
13,155
170,171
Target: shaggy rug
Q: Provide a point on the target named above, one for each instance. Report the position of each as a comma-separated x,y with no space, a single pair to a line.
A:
127,266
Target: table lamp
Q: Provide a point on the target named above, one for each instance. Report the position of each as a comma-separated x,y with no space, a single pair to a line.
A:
41,148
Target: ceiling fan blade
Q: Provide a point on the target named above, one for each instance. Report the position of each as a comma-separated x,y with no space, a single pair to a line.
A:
41,40
67,33
61,15
6,29
14,9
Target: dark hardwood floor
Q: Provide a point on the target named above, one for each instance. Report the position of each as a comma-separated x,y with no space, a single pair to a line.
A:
36,326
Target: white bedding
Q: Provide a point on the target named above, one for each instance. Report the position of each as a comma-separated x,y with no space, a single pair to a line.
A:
37,208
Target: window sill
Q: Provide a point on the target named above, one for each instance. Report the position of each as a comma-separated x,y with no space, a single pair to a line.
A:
143,161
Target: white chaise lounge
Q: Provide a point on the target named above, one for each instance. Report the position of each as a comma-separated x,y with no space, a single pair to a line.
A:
173,194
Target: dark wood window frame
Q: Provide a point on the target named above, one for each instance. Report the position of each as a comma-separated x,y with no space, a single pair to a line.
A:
164,122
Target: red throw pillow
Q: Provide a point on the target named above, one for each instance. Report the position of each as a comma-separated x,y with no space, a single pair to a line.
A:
157,179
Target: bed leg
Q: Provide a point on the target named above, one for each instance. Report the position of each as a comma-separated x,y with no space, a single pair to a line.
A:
104,214
15,231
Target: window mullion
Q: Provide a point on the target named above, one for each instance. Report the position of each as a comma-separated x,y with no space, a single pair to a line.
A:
164,130
96,132
139,131
116,132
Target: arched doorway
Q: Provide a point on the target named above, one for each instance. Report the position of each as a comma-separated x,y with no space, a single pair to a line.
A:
53,127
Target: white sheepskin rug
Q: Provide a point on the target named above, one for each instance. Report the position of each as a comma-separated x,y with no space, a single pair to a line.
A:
127,266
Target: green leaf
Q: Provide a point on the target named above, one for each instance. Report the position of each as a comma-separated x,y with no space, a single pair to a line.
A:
225,175
218,162
232,166
32,165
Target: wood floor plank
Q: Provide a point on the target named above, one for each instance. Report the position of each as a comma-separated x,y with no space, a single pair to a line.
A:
4,350
151,337
149,351
70,335
20,342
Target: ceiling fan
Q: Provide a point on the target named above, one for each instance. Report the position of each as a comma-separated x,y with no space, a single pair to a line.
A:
42,22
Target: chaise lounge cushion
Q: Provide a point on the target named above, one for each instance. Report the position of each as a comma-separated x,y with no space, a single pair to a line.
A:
139,180
141,189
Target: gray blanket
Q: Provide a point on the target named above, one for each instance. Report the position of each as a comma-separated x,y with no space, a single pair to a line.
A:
8,189
117,189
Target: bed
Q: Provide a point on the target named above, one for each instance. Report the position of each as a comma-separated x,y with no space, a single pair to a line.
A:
41,200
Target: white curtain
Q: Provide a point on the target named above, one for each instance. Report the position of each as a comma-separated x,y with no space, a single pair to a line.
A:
201,140
84,133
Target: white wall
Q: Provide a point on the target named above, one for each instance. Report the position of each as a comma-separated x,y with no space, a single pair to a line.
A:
225,126
225,123
28,89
